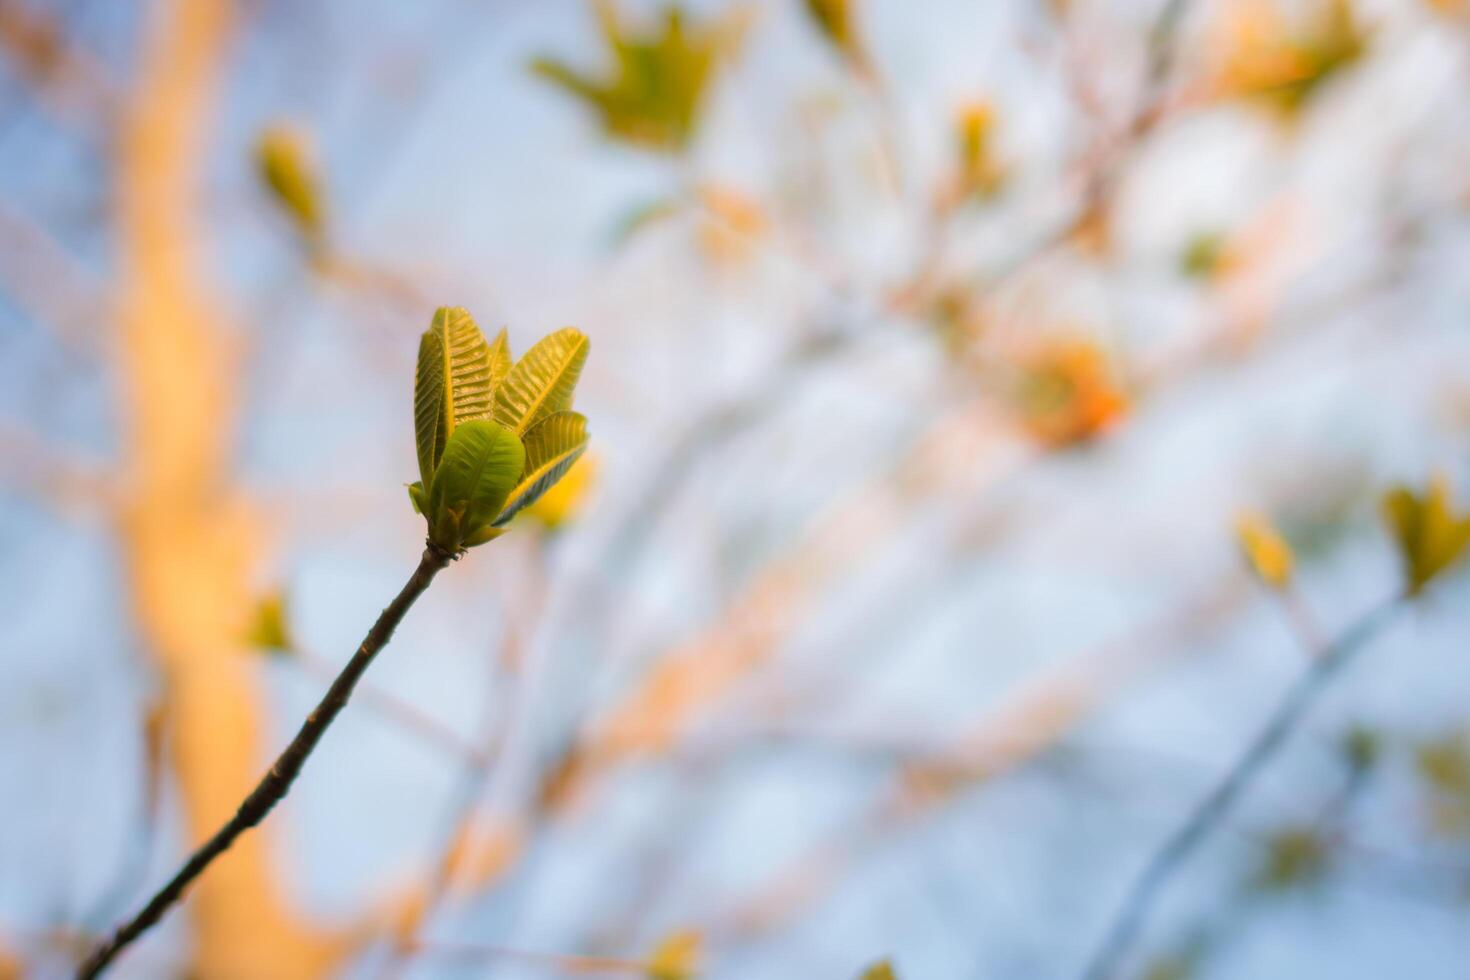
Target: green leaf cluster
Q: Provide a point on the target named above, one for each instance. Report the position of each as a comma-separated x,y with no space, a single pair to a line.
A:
493,434
1431,535
659,77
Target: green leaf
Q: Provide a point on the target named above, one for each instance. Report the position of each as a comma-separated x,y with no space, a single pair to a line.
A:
552,446
418,497
488,533
499,357
541,382
482,462
455,382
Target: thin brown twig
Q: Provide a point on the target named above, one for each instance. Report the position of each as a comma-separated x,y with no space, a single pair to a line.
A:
277,781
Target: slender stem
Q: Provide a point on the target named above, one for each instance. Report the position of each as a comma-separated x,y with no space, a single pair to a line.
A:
1211,811
276,783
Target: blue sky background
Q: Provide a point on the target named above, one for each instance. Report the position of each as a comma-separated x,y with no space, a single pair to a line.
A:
447,162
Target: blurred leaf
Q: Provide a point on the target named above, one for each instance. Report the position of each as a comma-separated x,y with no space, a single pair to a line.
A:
1431,536
659,77
957,318
1282,68
1265,549
980,174
838,24
1296,857
552,446
269,631
676,957
1361,747
1203,256
1445,763
882,970
1170,966
1444,766
454,383
284,167
541,382
481,463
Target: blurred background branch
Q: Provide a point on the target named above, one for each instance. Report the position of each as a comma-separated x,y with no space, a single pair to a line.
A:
939,351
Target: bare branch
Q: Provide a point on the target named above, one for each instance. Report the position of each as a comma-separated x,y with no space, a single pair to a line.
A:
1211,811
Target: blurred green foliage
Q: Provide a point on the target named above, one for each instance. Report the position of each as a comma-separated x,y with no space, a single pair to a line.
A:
838,24
269,629
1444,767
1203,255
882,970
1431,535
285,168
1295,857
652,94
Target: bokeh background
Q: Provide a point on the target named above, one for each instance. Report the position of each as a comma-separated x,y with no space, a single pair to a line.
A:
965,375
